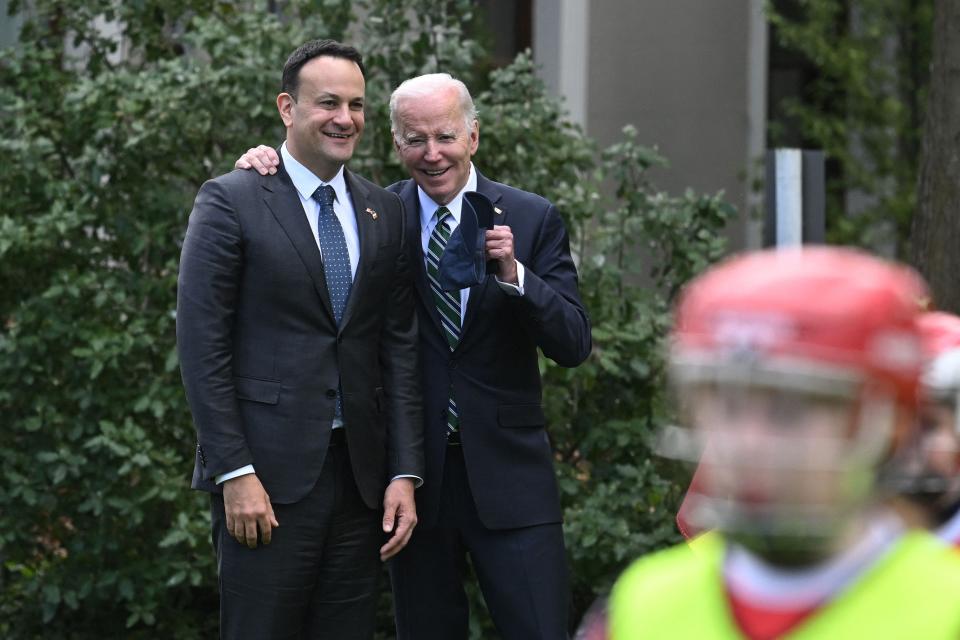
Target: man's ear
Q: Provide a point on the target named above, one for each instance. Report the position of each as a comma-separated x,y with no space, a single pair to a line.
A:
285,103
474,137
396,144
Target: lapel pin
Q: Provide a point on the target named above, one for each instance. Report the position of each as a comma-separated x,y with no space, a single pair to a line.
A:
498,210
373,214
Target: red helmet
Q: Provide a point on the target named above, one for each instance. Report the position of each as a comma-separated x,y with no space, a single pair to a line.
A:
940,333
821,319
753,338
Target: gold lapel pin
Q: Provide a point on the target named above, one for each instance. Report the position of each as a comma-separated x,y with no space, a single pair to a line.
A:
373,214
498,210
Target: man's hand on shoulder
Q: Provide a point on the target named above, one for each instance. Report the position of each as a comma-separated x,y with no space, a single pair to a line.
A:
399,516
262,158
248,509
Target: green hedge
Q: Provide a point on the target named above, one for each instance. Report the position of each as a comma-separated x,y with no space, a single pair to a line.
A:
100,535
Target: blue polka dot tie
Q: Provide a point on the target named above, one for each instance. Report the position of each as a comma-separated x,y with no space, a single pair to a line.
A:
333,246
336,260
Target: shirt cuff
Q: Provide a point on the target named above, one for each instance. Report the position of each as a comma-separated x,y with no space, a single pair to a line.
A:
242,471
513,289
417,480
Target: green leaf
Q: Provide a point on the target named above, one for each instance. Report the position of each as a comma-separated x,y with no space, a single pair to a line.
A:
51,593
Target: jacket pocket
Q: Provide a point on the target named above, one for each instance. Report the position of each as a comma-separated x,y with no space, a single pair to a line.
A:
256,390
521,415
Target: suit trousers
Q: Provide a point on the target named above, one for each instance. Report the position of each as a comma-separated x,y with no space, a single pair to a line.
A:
317,579
522,572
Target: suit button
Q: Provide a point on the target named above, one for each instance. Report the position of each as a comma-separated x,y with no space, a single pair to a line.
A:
339,339
331,393
453,364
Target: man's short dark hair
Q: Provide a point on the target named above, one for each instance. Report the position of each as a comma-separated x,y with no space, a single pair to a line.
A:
314,49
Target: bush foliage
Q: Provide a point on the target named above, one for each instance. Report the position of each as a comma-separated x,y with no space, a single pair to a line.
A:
111,116
864,107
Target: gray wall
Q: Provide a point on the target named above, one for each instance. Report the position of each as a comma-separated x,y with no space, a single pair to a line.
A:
690,75
9,26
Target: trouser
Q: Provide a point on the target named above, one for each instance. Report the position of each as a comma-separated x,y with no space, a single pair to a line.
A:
522,572
317,578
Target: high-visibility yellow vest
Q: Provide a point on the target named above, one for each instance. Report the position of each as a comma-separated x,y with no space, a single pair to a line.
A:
913,592
704,541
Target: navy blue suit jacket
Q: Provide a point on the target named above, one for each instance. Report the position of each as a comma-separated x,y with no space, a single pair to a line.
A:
494,369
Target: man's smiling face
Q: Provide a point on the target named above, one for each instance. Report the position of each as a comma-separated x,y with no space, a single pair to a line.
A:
325,120
436,143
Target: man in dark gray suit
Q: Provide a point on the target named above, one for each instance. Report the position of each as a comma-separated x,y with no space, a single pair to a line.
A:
491,492
298,348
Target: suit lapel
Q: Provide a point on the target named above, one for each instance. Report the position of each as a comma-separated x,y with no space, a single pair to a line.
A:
282,199
368,230
489,189
411,202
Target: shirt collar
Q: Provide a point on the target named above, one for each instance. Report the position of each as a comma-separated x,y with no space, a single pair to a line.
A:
306,182
428,207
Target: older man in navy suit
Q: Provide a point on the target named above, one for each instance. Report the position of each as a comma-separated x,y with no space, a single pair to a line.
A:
490,492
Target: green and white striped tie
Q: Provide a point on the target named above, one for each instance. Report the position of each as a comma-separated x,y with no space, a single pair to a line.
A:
448,302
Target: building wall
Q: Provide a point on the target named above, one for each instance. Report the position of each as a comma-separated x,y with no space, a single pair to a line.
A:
690,75
9,25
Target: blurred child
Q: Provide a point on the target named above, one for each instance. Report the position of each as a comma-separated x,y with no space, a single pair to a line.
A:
797,372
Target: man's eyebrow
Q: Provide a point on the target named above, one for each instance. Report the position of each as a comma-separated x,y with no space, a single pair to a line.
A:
420,134
327,95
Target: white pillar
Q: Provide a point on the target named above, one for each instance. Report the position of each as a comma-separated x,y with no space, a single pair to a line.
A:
789,189
561,34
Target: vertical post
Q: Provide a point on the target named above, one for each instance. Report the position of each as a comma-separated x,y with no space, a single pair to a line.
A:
795,198
814,198
789,189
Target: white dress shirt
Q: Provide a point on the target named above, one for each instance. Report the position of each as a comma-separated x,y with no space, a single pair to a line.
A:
428,221
306,183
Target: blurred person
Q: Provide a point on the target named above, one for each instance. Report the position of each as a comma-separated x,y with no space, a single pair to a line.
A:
928,473
797,372
297,340
491,492
686,524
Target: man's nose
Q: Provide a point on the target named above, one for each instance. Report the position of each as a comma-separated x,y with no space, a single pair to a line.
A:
432,151
342,117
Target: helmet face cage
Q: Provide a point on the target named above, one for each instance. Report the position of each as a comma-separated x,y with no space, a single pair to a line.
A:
795,372
941,382
928,471
782,466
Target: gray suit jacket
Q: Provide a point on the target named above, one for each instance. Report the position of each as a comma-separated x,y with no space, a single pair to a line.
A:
260,352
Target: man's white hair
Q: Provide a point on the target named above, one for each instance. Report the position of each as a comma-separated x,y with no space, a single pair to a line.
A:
426,85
